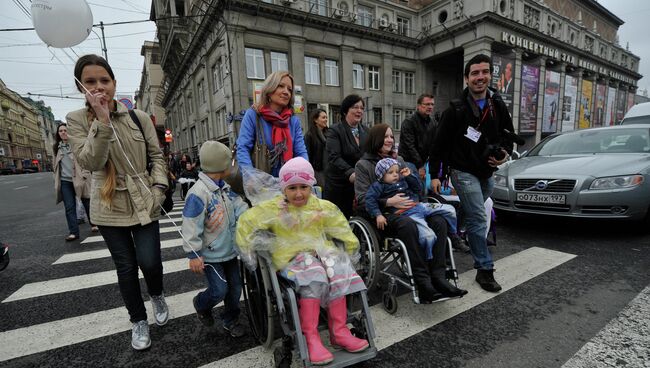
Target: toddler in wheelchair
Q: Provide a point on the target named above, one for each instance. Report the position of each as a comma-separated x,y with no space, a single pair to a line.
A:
297,230
392,180
209,217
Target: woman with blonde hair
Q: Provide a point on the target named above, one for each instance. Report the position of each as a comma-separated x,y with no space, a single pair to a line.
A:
117,145
273,118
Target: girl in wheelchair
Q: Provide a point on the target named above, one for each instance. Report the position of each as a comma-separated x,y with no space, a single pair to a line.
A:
297,229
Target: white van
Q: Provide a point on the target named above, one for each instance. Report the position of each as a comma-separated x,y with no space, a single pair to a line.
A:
638,114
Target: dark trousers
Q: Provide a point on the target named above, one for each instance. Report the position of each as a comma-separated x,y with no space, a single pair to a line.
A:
132,247
218,290
70,204
342,197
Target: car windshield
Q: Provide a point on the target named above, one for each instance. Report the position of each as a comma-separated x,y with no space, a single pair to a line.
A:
645,119
632,140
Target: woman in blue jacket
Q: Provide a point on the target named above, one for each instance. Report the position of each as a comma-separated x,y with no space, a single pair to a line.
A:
282,131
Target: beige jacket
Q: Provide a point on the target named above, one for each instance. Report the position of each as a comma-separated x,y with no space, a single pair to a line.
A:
80,178
94,144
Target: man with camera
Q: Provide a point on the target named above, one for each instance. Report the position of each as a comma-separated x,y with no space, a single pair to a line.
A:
473,138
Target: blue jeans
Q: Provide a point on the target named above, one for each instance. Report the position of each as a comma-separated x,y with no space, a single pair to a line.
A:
132,247
473,192
229,292
70,204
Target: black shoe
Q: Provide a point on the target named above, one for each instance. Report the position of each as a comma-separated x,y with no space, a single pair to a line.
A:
4,257
235,330
428,294
485,278
459,244
446,288
204,316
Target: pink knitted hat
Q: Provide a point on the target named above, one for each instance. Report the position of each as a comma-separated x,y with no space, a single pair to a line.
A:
296,171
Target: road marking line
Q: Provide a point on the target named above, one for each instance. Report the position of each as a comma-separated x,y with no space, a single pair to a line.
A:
169,221
23,187
102,253
411,319
99,238
175,213
74,330
624,339
90,280
8,182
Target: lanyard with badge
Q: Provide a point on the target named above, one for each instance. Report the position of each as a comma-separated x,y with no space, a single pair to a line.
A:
473,134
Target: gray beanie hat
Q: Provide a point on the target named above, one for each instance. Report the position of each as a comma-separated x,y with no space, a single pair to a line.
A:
215,157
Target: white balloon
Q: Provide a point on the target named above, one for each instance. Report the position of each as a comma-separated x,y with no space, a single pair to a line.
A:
62,23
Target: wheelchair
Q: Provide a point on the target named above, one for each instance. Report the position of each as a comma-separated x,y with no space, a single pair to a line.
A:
272,309
386,257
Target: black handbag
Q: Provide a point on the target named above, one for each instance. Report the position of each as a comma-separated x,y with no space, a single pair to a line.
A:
168,203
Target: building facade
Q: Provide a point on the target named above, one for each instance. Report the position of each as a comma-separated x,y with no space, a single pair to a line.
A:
558,63
47,125
21,142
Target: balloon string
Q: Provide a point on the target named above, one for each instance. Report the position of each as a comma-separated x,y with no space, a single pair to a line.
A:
119,143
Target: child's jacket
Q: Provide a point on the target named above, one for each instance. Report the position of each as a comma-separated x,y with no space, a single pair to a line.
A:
410,186
285,230
209,220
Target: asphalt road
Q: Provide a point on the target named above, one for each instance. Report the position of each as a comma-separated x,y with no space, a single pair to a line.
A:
576,295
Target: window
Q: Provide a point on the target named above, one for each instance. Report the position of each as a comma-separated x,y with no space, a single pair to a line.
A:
397,119
365,16
409,87
357,76
255,64
312,72
181,110
221,122
217,75
201,89
318,7
331,73
403,26
408,113
377,115
373,77
190,110
279,61
193,136
205,130
397,81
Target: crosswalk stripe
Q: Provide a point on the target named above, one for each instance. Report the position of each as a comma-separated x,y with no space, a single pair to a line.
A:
66,284
51,335
98,238
411,319
175,213
624,341
102,253
177,220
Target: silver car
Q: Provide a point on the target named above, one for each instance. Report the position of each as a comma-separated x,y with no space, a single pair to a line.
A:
593,173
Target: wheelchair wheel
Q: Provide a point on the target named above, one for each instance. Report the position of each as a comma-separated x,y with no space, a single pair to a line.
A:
369,250
258,304
390,302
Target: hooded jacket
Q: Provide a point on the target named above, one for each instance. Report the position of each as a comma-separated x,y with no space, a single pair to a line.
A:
136,200
209,220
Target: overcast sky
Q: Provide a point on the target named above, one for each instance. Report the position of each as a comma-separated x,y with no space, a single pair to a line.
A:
26,65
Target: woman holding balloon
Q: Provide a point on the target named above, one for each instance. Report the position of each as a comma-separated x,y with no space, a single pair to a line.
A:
126,196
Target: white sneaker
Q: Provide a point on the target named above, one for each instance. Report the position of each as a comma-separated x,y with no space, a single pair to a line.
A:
160,309
140,339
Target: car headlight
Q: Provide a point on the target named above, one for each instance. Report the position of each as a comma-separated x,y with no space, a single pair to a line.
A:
616,182
500,181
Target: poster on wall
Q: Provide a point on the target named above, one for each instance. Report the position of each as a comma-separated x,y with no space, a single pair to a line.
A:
585,104
610,116
630,101
503,77
599,105
528,105
620,105
551,102
569,103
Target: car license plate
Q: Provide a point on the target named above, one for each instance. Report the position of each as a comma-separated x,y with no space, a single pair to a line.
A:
541,198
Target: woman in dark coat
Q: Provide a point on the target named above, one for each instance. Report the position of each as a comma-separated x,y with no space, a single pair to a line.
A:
315,142
344,148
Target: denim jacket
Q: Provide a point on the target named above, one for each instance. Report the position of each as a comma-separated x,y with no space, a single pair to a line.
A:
209,220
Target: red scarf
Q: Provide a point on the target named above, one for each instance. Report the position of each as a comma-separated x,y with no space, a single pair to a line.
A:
280,130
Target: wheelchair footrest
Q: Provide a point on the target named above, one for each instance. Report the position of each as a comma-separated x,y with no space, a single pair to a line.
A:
343,358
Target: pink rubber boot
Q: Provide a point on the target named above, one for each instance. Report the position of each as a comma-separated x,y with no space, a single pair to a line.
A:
309,312
340,335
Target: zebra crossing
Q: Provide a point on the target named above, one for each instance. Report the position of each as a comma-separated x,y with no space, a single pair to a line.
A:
94,327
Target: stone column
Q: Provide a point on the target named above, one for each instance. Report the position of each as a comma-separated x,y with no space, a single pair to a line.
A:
516,96
562,66
481,45
239,82
578,72
387,89
297,55
346,70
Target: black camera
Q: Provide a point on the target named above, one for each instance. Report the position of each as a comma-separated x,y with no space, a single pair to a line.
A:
507,139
